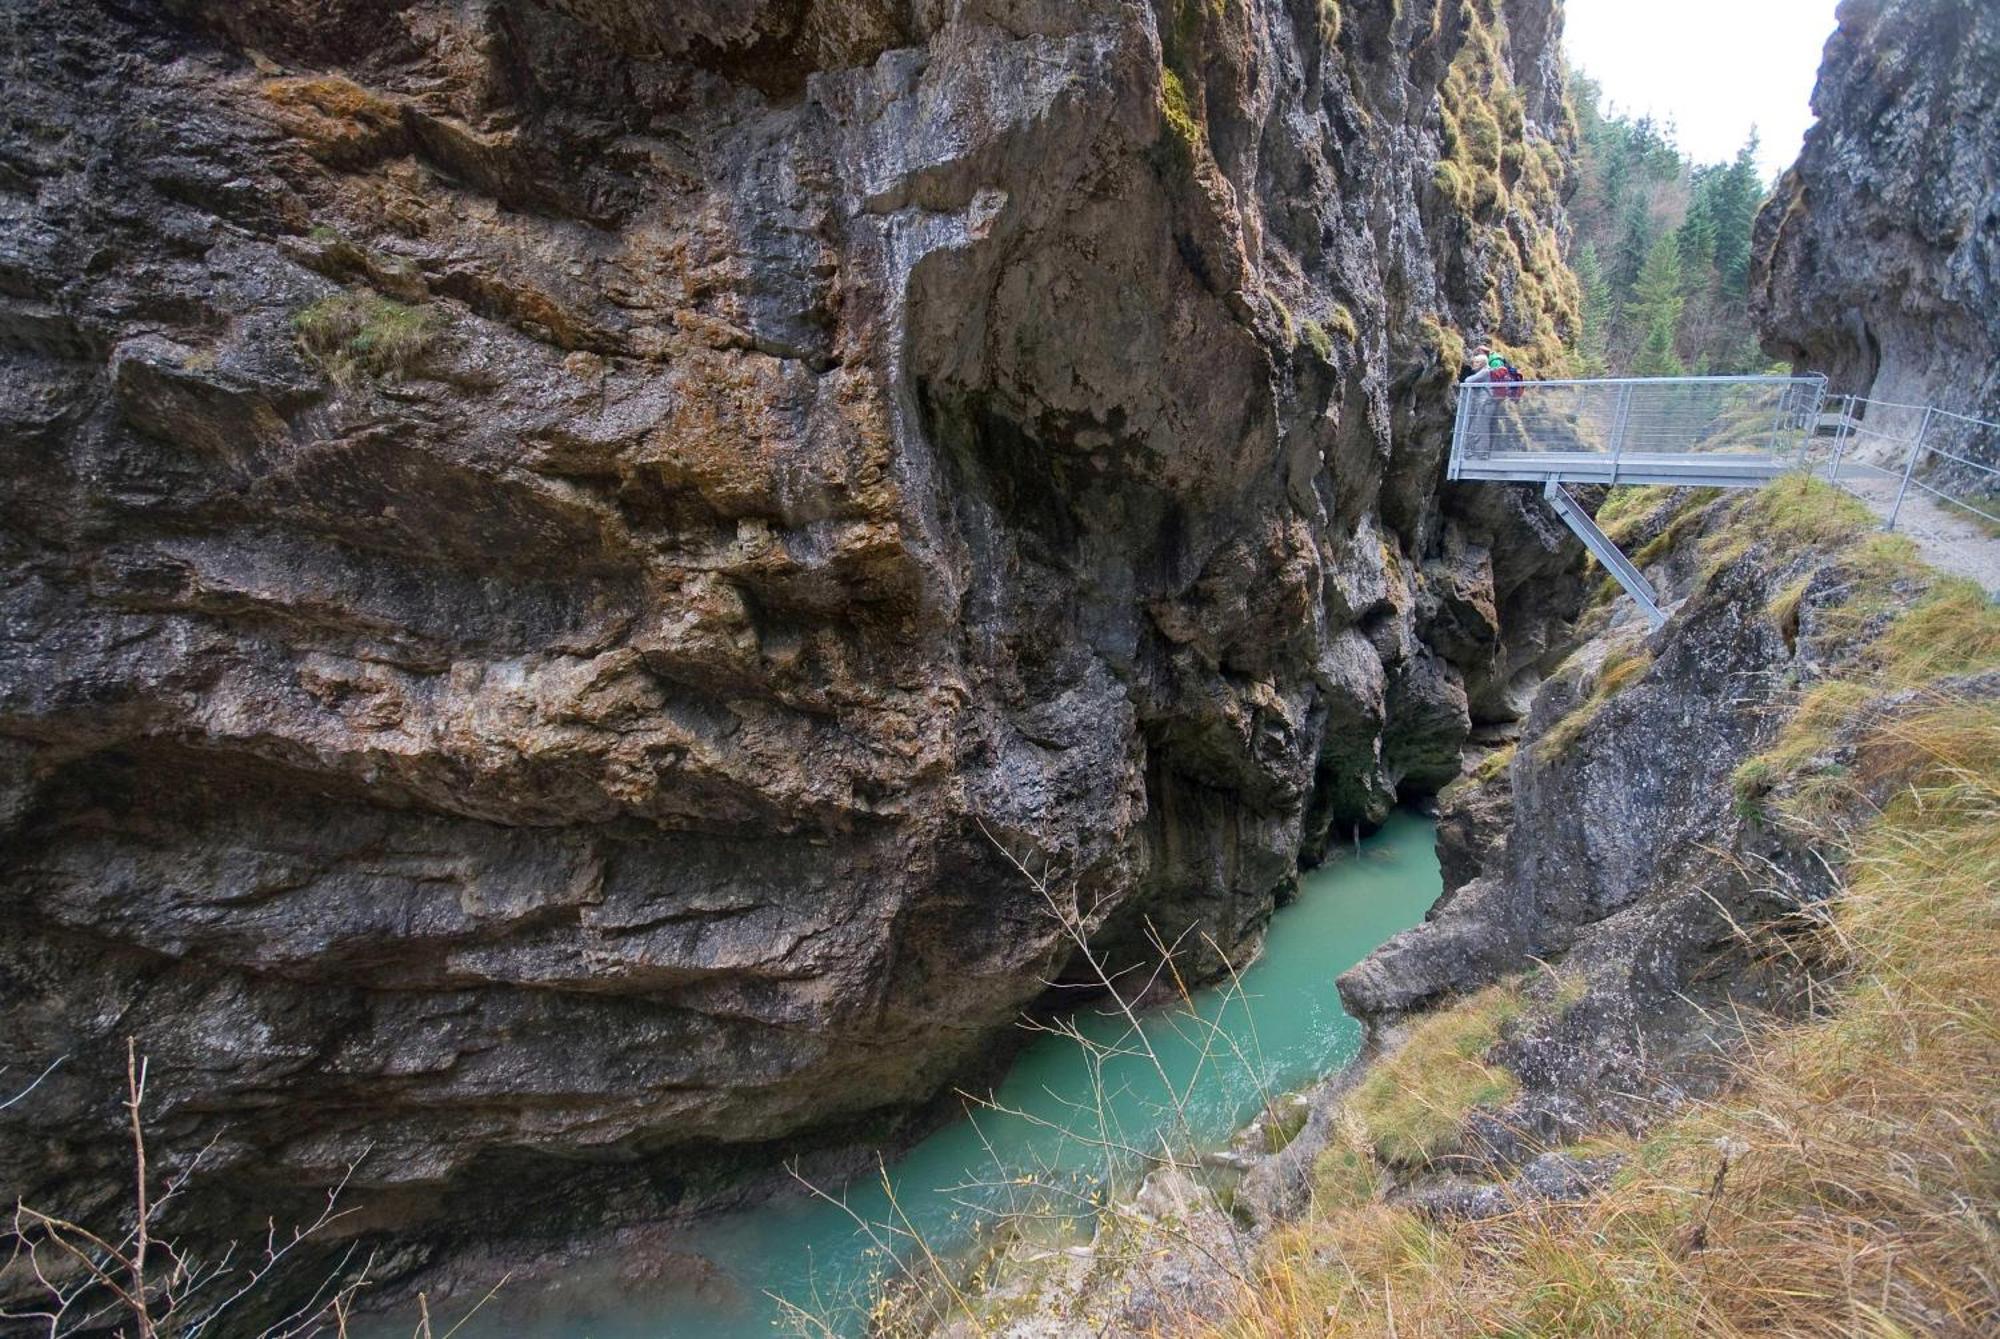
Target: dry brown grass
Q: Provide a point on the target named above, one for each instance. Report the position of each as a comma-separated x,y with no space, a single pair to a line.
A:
1410,1106
1790,515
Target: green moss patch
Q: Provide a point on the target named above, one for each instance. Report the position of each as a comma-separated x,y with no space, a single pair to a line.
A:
352,335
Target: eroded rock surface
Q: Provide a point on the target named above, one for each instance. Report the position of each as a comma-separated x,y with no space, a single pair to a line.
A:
1613,858
547,543
1878,259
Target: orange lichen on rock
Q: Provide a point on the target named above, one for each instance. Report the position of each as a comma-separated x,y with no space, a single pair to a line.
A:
341,123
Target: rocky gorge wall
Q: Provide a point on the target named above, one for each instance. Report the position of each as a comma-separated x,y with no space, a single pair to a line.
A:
1651,999
547,543
1877,260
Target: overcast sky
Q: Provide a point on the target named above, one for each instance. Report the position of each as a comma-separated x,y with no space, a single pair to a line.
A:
1713,67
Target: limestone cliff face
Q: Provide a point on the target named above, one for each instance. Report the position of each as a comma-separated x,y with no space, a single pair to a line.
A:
546,543
1878,260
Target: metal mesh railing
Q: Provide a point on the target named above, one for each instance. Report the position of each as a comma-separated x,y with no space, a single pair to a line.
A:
1919,450
1523,430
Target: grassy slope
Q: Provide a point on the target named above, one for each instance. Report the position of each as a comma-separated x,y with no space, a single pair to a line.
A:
1847,1182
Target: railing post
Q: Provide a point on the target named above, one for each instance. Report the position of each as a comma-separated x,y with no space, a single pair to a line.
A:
1806,423
1778,422
1909,468
1457,433
1618,424
1841,438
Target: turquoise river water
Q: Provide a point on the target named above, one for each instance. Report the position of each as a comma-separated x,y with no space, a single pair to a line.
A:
1284,1028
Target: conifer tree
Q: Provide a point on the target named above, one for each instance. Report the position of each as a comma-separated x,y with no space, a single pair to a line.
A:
1635,242
1657,302
1593,340
1697,239
1633,191
1707,309
1738,193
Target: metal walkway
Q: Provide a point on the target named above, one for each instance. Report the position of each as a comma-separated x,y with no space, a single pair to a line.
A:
1718,432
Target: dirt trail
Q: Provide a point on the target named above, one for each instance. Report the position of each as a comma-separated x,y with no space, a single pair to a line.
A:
1949,539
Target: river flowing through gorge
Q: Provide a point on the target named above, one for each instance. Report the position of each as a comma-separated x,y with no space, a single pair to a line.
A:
1040,1147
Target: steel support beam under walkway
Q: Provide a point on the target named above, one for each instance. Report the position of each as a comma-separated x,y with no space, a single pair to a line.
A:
1607,553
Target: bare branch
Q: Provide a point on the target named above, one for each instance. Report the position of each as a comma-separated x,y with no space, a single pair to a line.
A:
36,1084
135,1086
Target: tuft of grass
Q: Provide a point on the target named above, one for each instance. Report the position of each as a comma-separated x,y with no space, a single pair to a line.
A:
1410,1106
1630,510
1446,345
1951,629
1954,629
1489,202
1329,21
1287,327
1792,514
1319,336
1879,575
1345,1174
351,335
1629,503
1784,606
1318,341
1481,134
1803,758
1689,516
1620,670
1178,109
1496,762
1451,182
1750,783
1341,321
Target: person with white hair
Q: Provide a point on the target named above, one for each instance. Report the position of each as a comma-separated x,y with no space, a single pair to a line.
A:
1482,365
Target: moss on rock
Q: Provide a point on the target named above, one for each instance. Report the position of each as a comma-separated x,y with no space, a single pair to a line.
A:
351,335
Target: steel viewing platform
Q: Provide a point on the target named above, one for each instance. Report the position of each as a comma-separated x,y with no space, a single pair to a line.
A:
1717,432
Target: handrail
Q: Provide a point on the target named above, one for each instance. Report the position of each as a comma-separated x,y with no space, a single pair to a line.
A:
1730,432
1735,430
1920,466
1966,418
1760,379
1854,401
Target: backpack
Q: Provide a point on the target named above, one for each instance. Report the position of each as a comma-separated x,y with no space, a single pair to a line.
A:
1508,379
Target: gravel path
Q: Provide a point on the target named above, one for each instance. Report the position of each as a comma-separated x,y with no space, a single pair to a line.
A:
1949,540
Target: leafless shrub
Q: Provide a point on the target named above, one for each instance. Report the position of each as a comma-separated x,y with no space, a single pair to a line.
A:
128,1278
